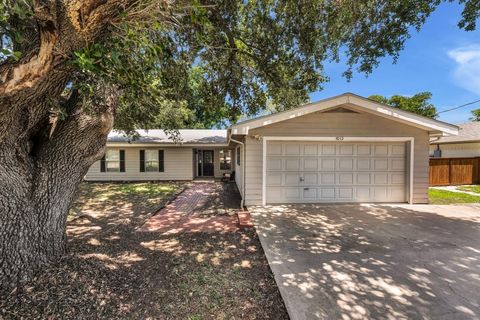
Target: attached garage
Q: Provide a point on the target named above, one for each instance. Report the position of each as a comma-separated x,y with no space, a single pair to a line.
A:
343,149
298,172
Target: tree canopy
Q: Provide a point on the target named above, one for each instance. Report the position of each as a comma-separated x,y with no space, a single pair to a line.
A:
418,103
70,70
201,63
475,115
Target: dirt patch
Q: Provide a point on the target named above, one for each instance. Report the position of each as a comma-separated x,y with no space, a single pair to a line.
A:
112,271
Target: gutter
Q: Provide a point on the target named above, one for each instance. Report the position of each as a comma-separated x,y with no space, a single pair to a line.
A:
242,203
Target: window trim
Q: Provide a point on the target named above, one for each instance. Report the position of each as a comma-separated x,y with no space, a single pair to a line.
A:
238,155
121,161
225,153
160,160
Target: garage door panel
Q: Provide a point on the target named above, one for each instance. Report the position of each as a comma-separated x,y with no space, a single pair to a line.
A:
364,164
335,172
292,178
397,194
397,150
363,194
310,164
274,179
364,150
310,149
292,194
326,193
345,164
380,178
292,149
346,149
310,178
275,194
364,178
274,148
274,164
397,178
327,150
345,178
345,193
381,150
292,164
397,164
380,194
309,194
327,178
328,164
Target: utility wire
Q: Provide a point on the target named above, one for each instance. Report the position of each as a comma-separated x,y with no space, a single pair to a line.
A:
461,106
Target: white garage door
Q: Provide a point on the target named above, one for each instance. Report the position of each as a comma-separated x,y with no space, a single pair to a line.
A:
300,172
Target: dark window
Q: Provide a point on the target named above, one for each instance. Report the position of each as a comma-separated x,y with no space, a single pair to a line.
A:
238,156
113,161
161,161
225,159
152,160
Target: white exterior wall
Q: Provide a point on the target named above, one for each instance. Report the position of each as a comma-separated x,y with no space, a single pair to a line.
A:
178,166
458,150
333,125
238,170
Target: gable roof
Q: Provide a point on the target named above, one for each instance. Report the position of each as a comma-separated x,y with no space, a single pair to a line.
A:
186,137
468,132
350,99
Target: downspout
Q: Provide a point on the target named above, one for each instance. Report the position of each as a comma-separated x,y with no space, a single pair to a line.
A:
242,203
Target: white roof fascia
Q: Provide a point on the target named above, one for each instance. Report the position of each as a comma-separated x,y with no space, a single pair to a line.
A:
165,145
348,98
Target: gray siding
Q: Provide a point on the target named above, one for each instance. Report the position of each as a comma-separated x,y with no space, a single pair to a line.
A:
178,166
332,125
458,150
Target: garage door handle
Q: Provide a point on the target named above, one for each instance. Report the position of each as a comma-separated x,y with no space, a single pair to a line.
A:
301,179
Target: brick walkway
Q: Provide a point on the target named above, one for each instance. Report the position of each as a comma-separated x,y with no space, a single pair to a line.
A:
202,207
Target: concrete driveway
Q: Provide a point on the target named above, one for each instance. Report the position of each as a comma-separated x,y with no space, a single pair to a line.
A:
374,261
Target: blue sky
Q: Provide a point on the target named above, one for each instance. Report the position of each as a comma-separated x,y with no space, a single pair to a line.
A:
440,58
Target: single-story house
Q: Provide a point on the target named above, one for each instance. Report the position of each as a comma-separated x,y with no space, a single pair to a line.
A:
465,145
342,149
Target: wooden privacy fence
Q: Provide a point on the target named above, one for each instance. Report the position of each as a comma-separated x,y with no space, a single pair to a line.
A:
454,171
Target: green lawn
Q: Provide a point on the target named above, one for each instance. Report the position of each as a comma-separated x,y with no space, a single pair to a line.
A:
475,189
448,197
141,197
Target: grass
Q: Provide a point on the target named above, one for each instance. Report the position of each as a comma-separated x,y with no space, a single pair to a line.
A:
475,189
142,197
449,197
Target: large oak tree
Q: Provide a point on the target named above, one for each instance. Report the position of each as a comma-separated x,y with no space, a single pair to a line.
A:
70,70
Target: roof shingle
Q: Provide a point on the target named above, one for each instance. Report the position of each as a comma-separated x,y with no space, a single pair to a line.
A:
468,132
186,136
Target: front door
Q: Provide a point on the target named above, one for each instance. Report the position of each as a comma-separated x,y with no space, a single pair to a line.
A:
205,167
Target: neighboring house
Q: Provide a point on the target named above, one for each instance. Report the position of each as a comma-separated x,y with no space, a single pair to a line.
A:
465,145
342,149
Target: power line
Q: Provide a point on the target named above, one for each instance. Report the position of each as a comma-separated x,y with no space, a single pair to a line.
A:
463,105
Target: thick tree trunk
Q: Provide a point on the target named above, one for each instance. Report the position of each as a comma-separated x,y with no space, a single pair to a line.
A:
43,161
39,172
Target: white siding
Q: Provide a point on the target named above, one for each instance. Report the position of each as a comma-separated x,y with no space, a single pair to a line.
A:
332,125
458,150
238,170
178,166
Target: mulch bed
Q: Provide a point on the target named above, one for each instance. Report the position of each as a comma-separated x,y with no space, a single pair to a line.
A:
113,272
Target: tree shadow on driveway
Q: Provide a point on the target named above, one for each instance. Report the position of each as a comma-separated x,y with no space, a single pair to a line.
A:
374,261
